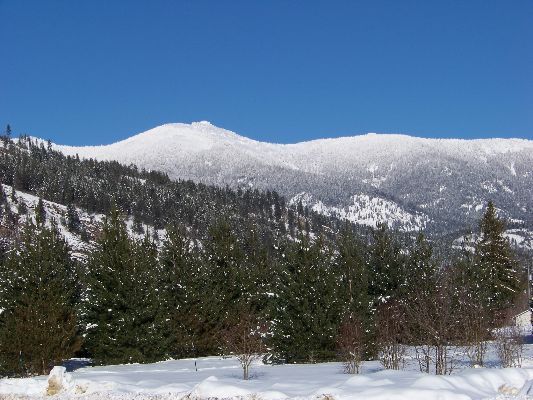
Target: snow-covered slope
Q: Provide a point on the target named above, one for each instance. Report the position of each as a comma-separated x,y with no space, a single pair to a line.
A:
366,210
428,180
23,207
54,214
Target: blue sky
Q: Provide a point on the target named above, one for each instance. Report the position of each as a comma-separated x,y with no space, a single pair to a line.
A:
94,72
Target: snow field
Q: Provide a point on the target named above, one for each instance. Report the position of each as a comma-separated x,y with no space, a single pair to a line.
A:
215,377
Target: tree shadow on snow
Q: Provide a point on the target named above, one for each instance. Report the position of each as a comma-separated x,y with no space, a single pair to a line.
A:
76,363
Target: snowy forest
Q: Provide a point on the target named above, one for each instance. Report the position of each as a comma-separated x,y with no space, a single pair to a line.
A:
177,269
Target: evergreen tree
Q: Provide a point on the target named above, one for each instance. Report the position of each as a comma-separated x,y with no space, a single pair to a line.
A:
13,195
40,212
386,263
307,314
225,262
354,285
7,135
291,221
22,208
420,268
257,273
495,264
73,219
38,325
185,293
124,304
137,225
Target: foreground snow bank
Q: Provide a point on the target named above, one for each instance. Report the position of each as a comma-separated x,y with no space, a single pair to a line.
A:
221,378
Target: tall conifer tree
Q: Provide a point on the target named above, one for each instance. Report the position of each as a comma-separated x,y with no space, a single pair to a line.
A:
185,294
386,263
497,270
123,307
38,325
308,309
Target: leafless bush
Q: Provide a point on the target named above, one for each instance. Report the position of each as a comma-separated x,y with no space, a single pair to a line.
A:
435,326
350,343
509,346
243,339
390,325
476,332
474,322
424,356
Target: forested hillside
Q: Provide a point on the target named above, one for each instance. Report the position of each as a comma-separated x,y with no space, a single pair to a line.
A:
178,269
150,197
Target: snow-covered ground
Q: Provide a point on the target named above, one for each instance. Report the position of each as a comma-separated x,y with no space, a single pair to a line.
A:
216,377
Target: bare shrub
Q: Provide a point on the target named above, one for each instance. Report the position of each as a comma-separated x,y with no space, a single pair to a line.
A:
350,343
474,320
509,346
390,324
476,332
424,357
434,321
243,339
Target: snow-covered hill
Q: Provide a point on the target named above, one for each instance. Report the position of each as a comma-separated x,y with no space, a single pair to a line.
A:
434,183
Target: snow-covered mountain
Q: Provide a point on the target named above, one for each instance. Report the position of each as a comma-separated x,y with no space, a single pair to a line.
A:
409,182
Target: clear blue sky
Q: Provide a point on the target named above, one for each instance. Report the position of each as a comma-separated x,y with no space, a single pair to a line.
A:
93,72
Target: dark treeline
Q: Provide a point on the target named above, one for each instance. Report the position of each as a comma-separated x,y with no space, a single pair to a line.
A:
135,302
321,289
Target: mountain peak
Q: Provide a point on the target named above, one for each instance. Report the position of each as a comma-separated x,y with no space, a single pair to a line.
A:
202,123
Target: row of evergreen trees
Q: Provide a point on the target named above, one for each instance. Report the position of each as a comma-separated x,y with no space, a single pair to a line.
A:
136,302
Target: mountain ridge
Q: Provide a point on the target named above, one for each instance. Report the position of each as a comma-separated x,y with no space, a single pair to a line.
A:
204,123
438,181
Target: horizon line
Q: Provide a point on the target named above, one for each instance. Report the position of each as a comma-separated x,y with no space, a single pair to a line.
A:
340,136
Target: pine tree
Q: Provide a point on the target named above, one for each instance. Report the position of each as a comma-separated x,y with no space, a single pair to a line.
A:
40,212
73,219
420,268
225,262
137,226
149,319
22,208
354,285
223,289
308,310
38,326
386,263
13,195
185,293
123,307
7,135
497,270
